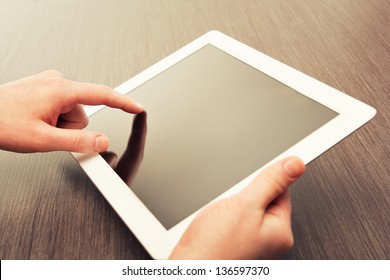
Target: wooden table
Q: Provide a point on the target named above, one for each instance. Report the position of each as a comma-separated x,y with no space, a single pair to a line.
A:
49,209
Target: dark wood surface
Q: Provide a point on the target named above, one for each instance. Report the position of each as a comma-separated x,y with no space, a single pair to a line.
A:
50,210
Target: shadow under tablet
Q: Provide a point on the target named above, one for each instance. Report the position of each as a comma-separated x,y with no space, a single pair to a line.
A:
212,121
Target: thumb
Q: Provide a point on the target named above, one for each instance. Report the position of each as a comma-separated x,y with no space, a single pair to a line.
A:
274,181
74,140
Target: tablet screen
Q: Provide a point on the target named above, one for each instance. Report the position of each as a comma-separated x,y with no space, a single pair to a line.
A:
211,120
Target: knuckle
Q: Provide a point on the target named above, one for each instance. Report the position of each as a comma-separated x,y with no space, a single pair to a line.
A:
56,84
52,73
107,93
106,89
278,179
79,142
37,139
275,183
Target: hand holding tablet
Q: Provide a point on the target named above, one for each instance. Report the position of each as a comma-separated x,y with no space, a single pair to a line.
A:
253,224
218,114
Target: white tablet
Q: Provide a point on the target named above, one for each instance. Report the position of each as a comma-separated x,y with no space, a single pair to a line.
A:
217,113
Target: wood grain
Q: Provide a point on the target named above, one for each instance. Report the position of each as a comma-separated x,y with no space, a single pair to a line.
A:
50,210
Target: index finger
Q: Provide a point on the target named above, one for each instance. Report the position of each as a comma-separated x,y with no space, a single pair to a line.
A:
94,94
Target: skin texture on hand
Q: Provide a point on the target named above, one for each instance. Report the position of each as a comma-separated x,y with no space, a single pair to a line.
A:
252,224
43,113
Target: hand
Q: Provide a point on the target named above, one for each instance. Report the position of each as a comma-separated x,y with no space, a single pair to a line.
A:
252,224
43,113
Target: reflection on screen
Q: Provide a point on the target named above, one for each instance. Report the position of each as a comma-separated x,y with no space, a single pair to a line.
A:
211,121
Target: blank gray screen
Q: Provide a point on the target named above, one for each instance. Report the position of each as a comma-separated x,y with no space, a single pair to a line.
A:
211,121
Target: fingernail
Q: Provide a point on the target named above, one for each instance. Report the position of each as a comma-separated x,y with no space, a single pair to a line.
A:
139,105
293,167
101,144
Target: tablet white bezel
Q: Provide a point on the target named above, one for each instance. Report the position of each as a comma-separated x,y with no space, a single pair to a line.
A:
158,241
